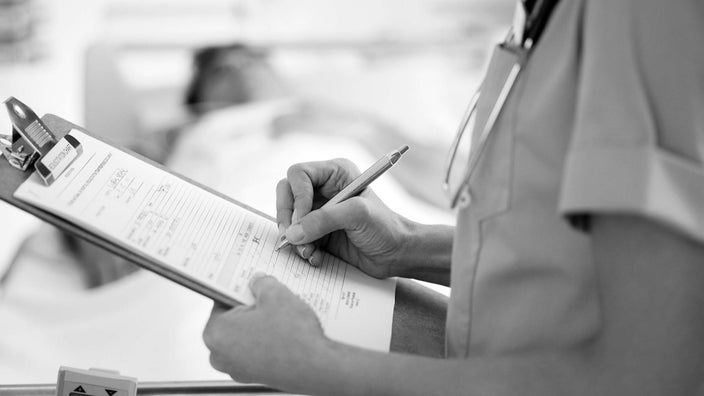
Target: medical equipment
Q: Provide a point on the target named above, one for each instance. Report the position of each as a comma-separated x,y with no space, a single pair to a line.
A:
521,38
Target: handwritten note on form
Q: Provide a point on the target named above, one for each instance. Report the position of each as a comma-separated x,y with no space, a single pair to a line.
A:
208,238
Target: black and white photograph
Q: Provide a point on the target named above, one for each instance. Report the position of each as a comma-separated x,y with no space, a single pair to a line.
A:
352,197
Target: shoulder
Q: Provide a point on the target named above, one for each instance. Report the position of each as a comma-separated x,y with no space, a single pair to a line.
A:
651,18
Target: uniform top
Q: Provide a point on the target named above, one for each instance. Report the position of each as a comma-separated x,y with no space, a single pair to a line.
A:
606,117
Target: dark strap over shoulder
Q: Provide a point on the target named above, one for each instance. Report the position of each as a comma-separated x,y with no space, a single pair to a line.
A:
538,13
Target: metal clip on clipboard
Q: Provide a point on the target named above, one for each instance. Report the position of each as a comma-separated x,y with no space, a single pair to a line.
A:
32,143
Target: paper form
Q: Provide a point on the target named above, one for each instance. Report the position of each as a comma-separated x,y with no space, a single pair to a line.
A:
206,237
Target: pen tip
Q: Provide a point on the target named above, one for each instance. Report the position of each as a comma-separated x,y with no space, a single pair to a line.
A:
282,242
403,149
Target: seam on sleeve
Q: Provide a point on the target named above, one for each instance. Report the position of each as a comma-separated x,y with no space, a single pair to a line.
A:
637,180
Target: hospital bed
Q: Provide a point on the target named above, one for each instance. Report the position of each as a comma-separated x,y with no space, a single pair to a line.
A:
202,388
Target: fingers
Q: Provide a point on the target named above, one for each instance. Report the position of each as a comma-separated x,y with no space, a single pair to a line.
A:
325,177
316,258
284,204
310,253
296,196
222,309
347,215
285,215
210,333
302,178
306,251
219,309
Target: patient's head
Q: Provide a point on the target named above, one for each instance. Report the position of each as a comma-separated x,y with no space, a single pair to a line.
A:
229,75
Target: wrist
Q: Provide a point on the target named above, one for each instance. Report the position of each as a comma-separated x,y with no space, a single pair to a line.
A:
313,372
326,370
426,252
348,370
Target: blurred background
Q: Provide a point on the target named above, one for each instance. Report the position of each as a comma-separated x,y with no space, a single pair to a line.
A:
230,93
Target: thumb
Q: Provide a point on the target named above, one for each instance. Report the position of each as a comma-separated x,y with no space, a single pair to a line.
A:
264,287
346,215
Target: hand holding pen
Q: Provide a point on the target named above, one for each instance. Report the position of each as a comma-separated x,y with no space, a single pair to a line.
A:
358,220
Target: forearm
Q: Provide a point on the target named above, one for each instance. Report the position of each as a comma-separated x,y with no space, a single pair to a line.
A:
427,253
346,370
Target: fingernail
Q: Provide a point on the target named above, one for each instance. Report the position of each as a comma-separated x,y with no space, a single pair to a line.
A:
314,260
258,274
295,233
302,250
294,216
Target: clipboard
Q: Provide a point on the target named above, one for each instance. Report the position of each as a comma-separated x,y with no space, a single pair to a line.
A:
176,227
11,178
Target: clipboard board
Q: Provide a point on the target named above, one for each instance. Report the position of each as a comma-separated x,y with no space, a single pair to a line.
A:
176,227
11,178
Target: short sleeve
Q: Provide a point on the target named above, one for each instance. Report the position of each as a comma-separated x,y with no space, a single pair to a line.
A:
637,145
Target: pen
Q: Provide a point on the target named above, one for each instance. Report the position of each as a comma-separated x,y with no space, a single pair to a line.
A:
358,184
